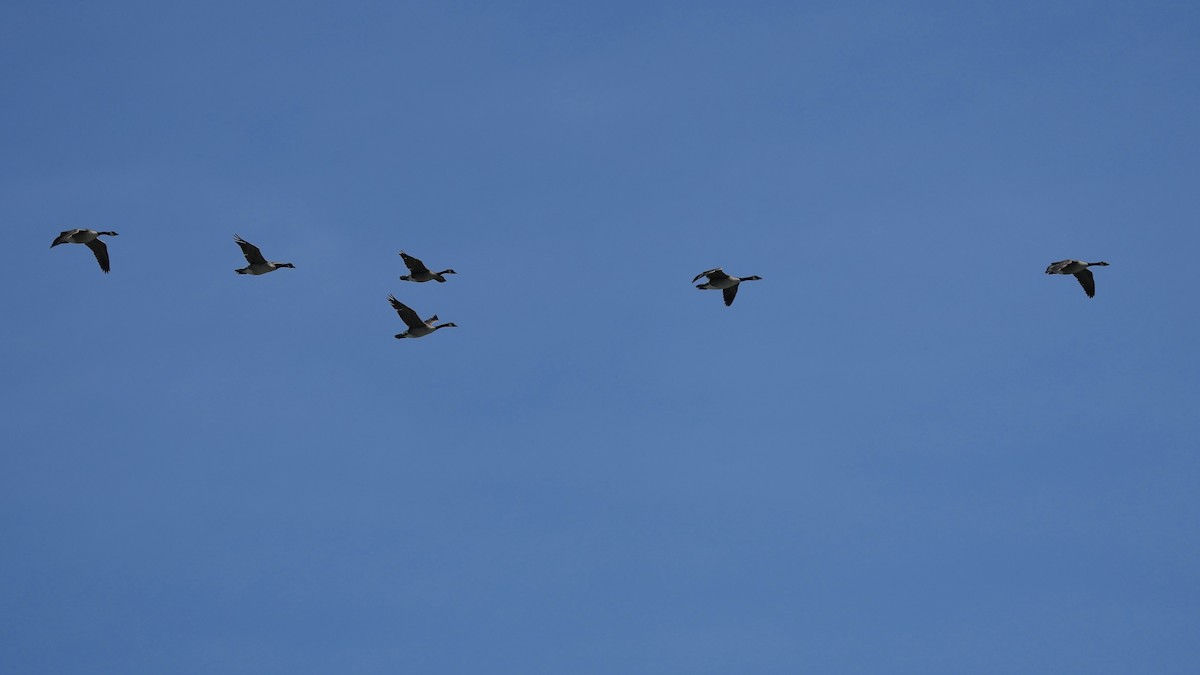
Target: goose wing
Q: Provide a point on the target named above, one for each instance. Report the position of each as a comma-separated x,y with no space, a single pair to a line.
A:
730,293
101,252
406,313
715,274
414,265
253,255
63,237
1087,281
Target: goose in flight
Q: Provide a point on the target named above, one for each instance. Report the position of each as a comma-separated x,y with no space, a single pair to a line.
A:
419,272
89,238
258,264
416,327
1080,269
719,280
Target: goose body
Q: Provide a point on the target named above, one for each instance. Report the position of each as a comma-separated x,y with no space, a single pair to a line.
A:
718,280
257,263
417,271
1080,270
416,327
89,238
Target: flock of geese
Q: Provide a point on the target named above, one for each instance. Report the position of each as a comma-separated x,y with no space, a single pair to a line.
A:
716,278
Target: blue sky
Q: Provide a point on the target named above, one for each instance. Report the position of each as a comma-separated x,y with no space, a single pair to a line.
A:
905,450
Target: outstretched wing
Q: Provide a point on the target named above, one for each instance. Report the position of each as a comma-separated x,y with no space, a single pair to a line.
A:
406,313
730,293
101,252
1087,281
715,274
414,266
63,238
253,255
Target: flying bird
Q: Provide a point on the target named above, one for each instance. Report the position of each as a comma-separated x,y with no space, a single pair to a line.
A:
416,327
258,264
419,272
1080,269
719,280
89,238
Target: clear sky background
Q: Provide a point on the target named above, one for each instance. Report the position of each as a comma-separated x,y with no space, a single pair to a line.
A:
906,450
